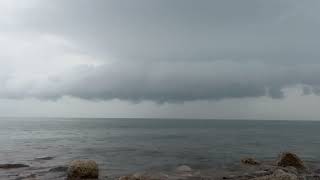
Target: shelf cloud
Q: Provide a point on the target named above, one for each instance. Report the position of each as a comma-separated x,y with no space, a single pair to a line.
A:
161,51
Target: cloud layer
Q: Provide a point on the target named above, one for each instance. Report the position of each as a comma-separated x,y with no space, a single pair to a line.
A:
163,51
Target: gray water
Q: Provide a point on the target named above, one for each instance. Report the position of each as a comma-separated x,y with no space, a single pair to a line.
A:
122,146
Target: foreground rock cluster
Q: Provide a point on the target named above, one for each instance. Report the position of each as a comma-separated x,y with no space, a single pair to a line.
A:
288,166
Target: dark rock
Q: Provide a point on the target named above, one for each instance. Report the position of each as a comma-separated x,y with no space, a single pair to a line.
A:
83,169
145,176
290,159
278,175
137,178
44,158
261,173
250,161
12,166
229,177
27,177
312,177
290,169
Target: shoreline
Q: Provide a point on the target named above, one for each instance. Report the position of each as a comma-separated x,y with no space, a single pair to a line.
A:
246,169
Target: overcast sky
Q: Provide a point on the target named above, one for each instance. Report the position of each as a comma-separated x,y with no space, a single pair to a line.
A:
248,59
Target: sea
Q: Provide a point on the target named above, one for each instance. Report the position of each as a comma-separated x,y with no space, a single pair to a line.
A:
124,146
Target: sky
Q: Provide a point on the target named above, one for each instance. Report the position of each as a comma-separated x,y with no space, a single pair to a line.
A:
212,59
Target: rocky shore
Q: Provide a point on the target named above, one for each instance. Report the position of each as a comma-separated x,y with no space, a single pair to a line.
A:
288,166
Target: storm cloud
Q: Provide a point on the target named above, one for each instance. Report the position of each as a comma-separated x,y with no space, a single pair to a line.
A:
163,51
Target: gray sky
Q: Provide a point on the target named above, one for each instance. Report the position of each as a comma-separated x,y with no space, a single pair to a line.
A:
244,59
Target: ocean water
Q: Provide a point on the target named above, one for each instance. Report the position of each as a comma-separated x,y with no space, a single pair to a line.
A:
123,146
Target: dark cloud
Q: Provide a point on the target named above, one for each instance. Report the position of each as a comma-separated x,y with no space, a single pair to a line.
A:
172,81
174,51
185,30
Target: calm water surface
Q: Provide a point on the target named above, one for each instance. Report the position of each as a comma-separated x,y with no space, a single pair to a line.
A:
122,146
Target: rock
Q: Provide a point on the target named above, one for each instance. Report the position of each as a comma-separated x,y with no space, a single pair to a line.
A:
312,177
133,177
44,158
229,177
12,166
261,173
282,175
183,168
83,169
278,175
250,161
248,175
139,176
290,159
124,178
26,177
317,171
145,176
290,169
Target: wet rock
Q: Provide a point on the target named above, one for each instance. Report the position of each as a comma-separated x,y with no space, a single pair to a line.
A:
261,173
248,176
183,168
282,175
83,169
124,178
140,176
145,176
290,169
250,161
290,159
229,177
27,177
137,178
12,166
278,175
44,158
311,177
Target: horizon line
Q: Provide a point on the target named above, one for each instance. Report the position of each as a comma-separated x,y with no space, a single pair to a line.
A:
156,118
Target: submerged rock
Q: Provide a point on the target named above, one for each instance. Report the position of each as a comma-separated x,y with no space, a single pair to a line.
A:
145,176
83,169
27,177
250,161
124,178
136,176
317,171
290,159
149,175
44,158
311,177
278,175
12,166
183,168
290,169
133,178
261,173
